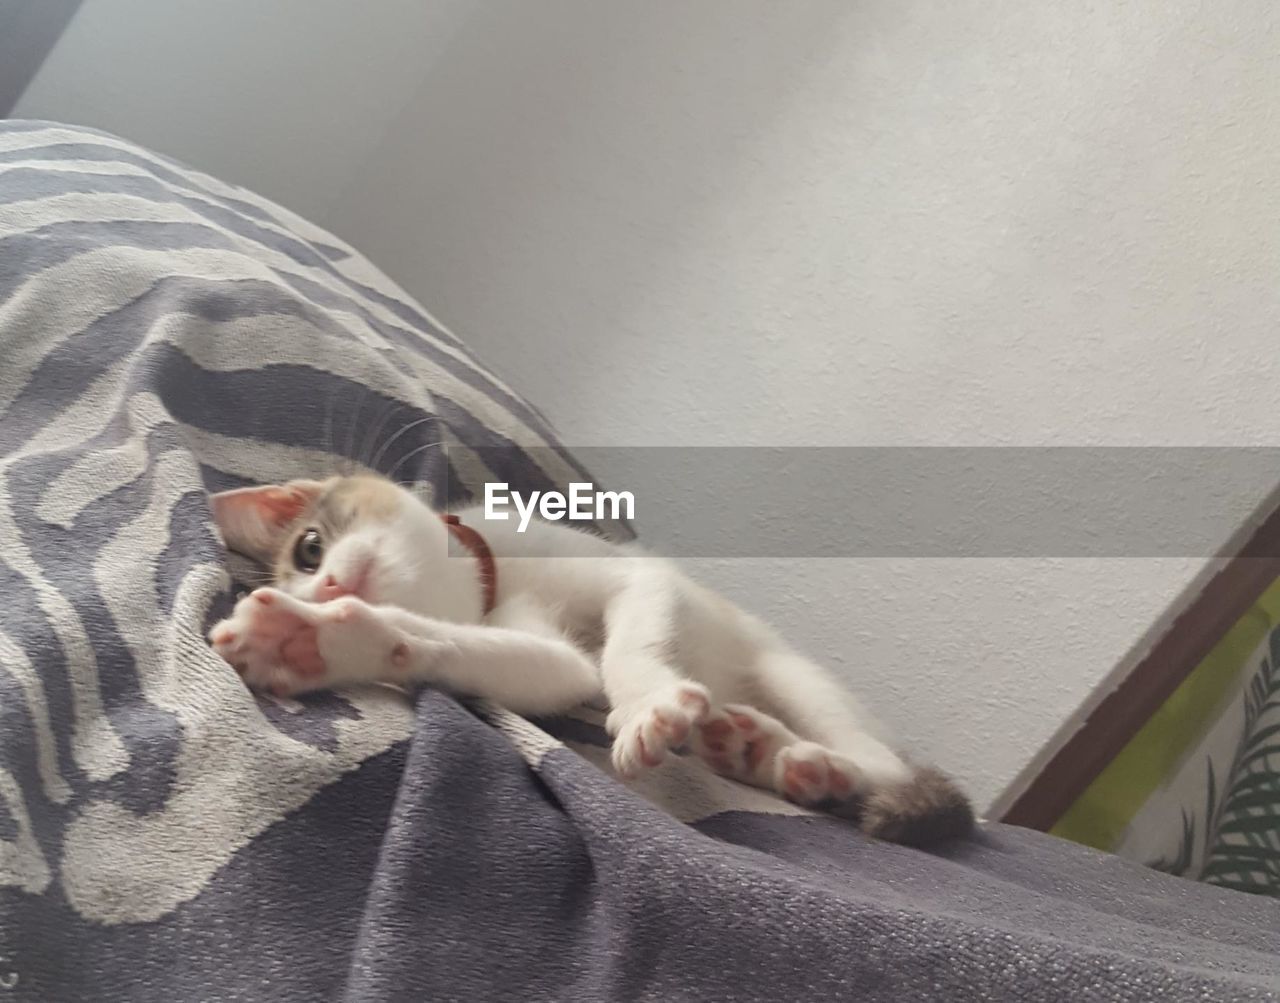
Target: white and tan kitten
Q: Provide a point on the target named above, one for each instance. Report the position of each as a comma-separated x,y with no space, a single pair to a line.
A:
366,590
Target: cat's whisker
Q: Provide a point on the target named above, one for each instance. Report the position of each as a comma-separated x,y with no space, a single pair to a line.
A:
390,475
329,444
377,457
341,462
375,432
355,420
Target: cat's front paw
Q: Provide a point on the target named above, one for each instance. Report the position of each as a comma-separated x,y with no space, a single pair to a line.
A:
647,729
283,645
269,643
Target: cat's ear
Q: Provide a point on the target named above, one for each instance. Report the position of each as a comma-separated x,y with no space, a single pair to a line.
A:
254,521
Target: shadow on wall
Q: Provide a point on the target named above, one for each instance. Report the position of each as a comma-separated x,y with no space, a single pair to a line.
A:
489,154
27,33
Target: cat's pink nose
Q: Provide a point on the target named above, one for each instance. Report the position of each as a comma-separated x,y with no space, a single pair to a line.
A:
330,589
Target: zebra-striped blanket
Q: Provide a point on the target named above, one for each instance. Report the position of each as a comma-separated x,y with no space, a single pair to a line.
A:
165,835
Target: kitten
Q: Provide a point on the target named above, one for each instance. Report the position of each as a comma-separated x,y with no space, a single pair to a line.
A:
366,590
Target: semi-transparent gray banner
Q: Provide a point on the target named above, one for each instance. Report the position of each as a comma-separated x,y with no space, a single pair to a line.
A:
895,501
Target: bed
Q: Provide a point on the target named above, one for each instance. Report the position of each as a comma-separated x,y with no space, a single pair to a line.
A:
166,835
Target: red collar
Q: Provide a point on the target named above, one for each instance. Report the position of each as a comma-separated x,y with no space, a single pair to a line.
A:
474,542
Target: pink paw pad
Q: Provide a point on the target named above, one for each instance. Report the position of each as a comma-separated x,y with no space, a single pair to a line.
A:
674,729
802,780
809,774
695,702
715,735
268,642
740,742
646,757
301,653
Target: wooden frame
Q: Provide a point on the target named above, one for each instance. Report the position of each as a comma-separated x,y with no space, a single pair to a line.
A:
1108,728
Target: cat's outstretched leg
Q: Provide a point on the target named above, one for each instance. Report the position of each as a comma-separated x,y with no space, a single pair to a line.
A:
818,708
273,640
890,798
654,708
282,644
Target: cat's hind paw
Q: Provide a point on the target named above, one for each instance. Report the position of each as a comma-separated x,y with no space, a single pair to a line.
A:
810,775
646,730
741,742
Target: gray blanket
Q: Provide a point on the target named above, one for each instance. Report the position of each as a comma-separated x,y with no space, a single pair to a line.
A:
165,835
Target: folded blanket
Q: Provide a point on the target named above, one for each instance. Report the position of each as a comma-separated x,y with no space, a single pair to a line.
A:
166,835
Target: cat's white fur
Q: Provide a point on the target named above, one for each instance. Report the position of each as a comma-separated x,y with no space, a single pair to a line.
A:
574,615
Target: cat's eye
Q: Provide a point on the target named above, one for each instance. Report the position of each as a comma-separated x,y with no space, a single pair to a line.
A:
308,551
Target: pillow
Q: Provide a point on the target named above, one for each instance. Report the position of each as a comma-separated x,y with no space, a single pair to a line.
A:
165,335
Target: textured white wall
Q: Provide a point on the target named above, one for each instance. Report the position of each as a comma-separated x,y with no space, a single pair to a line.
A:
818,222
288,96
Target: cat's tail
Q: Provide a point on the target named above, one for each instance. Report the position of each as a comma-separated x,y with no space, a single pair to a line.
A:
925,809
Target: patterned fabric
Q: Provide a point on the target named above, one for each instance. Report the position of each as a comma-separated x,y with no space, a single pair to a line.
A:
1244,847
1196,791
165,835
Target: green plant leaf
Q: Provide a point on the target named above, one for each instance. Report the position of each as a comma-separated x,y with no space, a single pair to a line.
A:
1243,833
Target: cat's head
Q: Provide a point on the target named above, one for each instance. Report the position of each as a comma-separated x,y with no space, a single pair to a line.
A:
362,536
